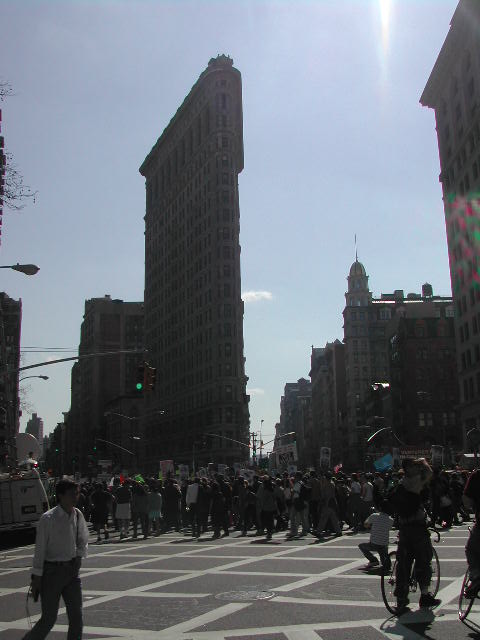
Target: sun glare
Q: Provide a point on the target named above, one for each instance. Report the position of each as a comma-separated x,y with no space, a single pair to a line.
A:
385,16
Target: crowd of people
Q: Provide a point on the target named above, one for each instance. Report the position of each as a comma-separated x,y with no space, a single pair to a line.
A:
300,504
411,499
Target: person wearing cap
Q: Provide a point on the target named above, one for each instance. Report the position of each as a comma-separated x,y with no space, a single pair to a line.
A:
61,543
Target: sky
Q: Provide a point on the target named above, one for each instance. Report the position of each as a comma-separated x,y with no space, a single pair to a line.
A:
336,144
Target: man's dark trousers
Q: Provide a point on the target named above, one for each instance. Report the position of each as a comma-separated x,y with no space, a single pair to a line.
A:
59,580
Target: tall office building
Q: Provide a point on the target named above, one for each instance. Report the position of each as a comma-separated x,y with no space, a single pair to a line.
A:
10,330
296,419
35,428
193,305
102,382
329,409
453,91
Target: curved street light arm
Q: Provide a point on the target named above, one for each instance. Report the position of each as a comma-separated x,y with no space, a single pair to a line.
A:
374,435
217,435
114,445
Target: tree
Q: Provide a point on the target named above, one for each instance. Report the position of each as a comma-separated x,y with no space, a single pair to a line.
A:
15,192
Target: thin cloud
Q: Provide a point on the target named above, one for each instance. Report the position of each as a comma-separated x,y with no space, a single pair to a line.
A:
256,296
256,391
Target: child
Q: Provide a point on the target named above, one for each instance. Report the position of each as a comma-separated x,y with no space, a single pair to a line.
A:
379,525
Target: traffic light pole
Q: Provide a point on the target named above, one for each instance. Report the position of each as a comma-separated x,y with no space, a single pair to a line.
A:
7,371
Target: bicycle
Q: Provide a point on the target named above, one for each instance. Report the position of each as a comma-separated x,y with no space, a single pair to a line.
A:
389,578
465,604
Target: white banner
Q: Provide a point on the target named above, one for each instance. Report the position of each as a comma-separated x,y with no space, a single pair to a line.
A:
292,469
183,471
325,453
286,455
166,467
437,455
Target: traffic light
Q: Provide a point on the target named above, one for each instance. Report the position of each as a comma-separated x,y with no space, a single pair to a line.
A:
149,377
140,378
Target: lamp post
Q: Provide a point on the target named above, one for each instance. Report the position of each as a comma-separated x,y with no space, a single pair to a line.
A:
474,436
27,269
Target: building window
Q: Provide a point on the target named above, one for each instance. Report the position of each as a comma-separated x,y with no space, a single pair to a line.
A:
421,419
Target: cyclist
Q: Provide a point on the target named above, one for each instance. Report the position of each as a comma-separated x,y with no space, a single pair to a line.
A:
471,499
414,544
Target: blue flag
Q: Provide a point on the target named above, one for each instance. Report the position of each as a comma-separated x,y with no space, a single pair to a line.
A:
385,463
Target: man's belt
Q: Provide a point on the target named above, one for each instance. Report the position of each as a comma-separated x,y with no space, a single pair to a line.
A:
60,562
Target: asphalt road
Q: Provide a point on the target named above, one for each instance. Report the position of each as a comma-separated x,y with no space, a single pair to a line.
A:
237,588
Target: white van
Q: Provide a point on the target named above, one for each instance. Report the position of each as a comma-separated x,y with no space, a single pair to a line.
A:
22,500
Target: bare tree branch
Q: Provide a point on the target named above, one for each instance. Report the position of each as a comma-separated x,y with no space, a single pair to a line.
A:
16,192
25,405
5,90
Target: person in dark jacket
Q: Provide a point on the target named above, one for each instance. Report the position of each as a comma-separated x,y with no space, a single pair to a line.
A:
414,544
218,510
268,506
101,502
140,509
171,508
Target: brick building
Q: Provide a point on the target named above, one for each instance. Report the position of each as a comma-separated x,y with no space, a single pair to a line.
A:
424,384
366,338
193,305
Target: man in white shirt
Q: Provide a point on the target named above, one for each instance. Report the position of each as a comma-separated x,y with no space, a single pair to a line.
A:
379,525
191,499
62,540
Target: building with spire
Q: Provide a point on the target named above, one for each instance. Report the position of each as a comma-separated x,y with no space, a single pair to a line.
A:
368,328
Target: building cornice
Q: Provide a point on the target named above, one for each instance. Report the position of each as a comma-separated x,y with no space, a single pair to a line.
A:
442,72
220,64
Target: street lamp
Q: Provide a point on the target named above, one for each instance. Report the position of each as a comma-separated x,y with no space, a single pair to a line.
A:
374,435
122,415
27,269
41,377
283,435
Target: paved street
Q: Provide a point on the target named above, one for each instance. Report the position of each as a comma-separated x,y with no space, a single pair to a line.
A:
237,589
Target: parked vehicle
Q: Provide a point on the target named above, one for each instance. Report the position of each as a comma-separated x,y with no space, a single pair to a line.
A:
22,500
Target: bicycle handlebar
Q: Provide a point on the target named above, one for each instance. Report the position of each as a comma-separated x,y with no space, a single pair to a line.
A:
436,531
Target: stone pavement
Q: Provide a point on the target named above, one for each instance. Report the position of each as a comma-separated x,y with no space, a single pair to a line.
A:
235,588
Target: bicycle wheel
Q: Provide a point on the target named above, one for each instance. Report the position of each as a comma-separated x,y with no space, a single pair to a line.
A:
389,582
464,604
435,583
